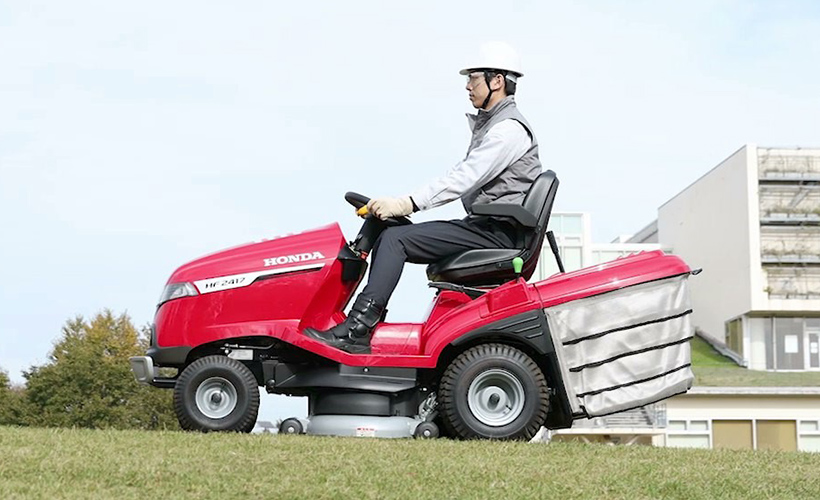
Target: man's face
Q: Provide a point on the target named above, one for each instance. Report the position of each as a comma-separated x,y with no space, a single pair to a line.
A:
477,87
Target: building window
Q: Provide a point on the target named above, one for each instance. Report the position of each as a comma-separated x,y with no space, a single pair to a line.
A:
572,258
734,335
776,435
788,339
568,224
688,434
733,434
809,438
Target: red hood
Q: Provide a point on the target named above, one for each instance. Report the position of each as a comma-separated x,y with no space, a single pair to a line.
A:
313,247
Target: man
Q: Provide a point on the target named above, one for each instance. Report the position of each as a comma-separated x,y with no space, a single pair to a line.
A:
500,166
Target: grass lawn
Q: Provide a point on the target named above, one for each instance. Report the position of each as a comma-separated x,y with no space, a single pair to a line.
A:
714,370
51,463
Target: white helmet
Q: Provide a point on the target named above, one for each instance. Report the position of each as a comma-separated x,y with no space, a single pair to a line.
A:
497,55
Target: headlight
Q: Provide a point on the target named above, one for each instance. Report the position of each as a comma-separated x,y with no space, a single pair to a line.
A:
175,291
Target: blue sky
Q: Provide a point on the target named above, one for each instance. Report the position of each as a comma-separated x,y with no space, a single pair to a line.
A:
136,136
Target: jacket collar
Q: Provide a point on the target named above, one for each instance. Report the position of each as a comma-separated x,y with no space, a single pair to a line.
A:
480,118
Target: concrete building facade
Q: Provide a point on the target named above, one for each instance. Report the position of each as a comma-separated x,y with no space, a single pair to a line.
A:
753,225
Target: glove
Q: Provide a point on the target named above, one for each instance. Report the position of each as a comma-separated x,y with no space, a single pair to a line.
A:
384,208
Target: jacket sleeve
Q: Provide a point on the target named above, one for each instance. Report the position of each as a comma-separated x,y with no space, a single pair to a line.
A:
504,143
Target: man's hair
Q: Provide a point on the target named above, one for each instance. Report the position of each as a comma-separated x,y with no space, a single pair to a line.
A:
509,85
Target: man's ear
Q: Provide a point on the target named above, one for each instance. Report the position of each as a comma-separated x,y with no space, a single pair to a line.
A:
496,83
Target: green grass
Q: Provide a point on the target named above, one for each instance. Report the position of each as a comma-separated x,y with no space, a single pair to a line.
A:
48,463
714,370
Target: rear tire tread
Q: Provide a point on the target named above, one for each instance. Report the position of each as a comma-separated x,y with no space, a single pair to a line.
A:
453,422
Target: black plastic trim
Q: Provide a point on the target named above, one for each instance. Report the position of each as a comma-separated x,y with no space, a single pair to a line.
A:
351,403
353,266
164,383
511,210
375,379
525,326
622,328
620,386
627,354
168,356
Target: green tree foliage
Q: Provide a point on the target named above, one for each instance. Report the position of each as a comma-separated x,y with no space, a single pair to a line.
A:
11,401
87,381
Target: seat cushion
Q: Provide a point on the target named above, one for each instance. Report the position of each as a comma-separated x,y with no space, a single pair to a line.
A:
487,266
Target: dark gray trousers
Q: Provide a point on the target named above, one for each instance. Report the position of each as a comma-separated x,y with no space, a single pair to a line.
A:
429,242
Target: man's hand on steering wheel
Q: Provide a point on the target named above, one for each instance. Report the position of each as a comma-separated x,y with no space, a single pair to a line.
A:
385,208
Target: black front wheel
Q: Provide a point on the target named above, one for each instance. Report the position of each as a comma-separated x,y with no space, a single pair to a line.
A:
493,391
216,393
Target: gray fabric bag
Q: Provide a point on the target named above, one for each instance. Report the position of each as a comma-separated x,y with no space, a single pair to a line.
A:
626,348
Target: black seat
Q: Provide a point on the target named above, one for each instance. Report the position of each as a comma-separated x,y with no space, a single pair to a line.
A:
493,266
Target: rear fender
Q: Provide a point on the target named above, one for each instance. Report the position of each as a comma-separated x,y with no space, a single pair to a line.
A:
529,332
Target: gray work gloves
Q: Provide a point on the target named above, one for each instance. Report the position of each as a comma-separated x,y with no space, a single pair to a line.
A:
390,207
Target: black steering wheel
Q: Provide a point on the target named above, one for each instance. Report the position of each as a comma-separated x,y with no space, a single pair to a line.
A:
358,201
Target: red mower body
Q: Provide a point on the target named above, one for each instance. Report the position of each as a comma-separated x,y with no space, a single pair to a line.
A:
277,288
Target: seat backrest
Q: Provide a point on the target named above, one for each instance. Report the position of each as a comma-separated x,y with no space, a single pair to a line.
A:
538,202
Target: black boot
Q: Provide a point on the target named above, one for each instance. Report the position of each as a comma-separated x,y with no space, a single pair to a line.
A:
352,334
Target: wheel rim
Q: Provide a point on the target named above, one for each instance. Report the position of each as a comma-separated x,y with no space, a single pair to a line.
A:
496,397
216,398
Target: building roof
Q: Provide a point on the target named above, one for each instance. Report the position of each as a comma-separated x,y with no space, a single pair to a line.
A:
714,371
754,391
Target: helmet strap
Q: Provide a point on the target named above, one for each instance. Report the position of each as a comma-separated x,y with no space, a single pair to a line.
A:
490,89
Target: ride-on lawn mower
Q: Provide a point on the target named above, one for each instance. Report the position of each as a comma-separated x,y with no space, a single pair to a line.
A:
497,357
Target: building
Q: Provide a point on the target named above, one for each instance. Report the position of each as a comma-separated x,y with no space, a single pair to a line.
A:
752,224
573,236
754,418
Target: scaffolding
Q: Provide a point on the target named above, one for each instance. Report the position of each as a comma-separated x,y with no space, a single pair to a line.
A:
789,195
788,164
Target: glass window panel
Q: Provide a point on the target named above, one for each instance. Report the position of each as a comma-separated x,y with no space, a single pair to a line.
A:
698,425
572,258
732,434
810,443
573,224
734,335
789,339
769,339
676,425
813,323
809,426
688,441
776,435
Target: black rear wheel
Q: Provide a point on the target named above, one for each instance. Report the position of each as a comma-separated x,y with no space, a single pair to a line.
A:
216,393
493,391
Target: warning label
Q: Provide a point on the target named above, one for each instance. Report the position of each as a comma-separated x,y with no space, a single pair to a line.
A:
367,432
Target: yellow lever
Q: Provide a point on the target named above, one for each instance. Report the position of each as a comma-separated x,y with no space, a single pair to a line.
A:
362,211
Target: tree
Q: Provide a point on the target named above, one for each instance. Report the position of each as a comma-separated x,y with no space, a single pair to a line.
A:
11,400
87,381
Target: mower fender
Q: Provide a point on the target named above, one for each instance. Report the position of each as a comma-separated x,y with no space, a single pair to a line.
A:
530,328
169,356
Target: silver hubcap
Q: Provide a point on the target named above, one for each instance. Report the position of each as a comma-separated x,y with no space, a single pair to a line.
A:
496,397
216,397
